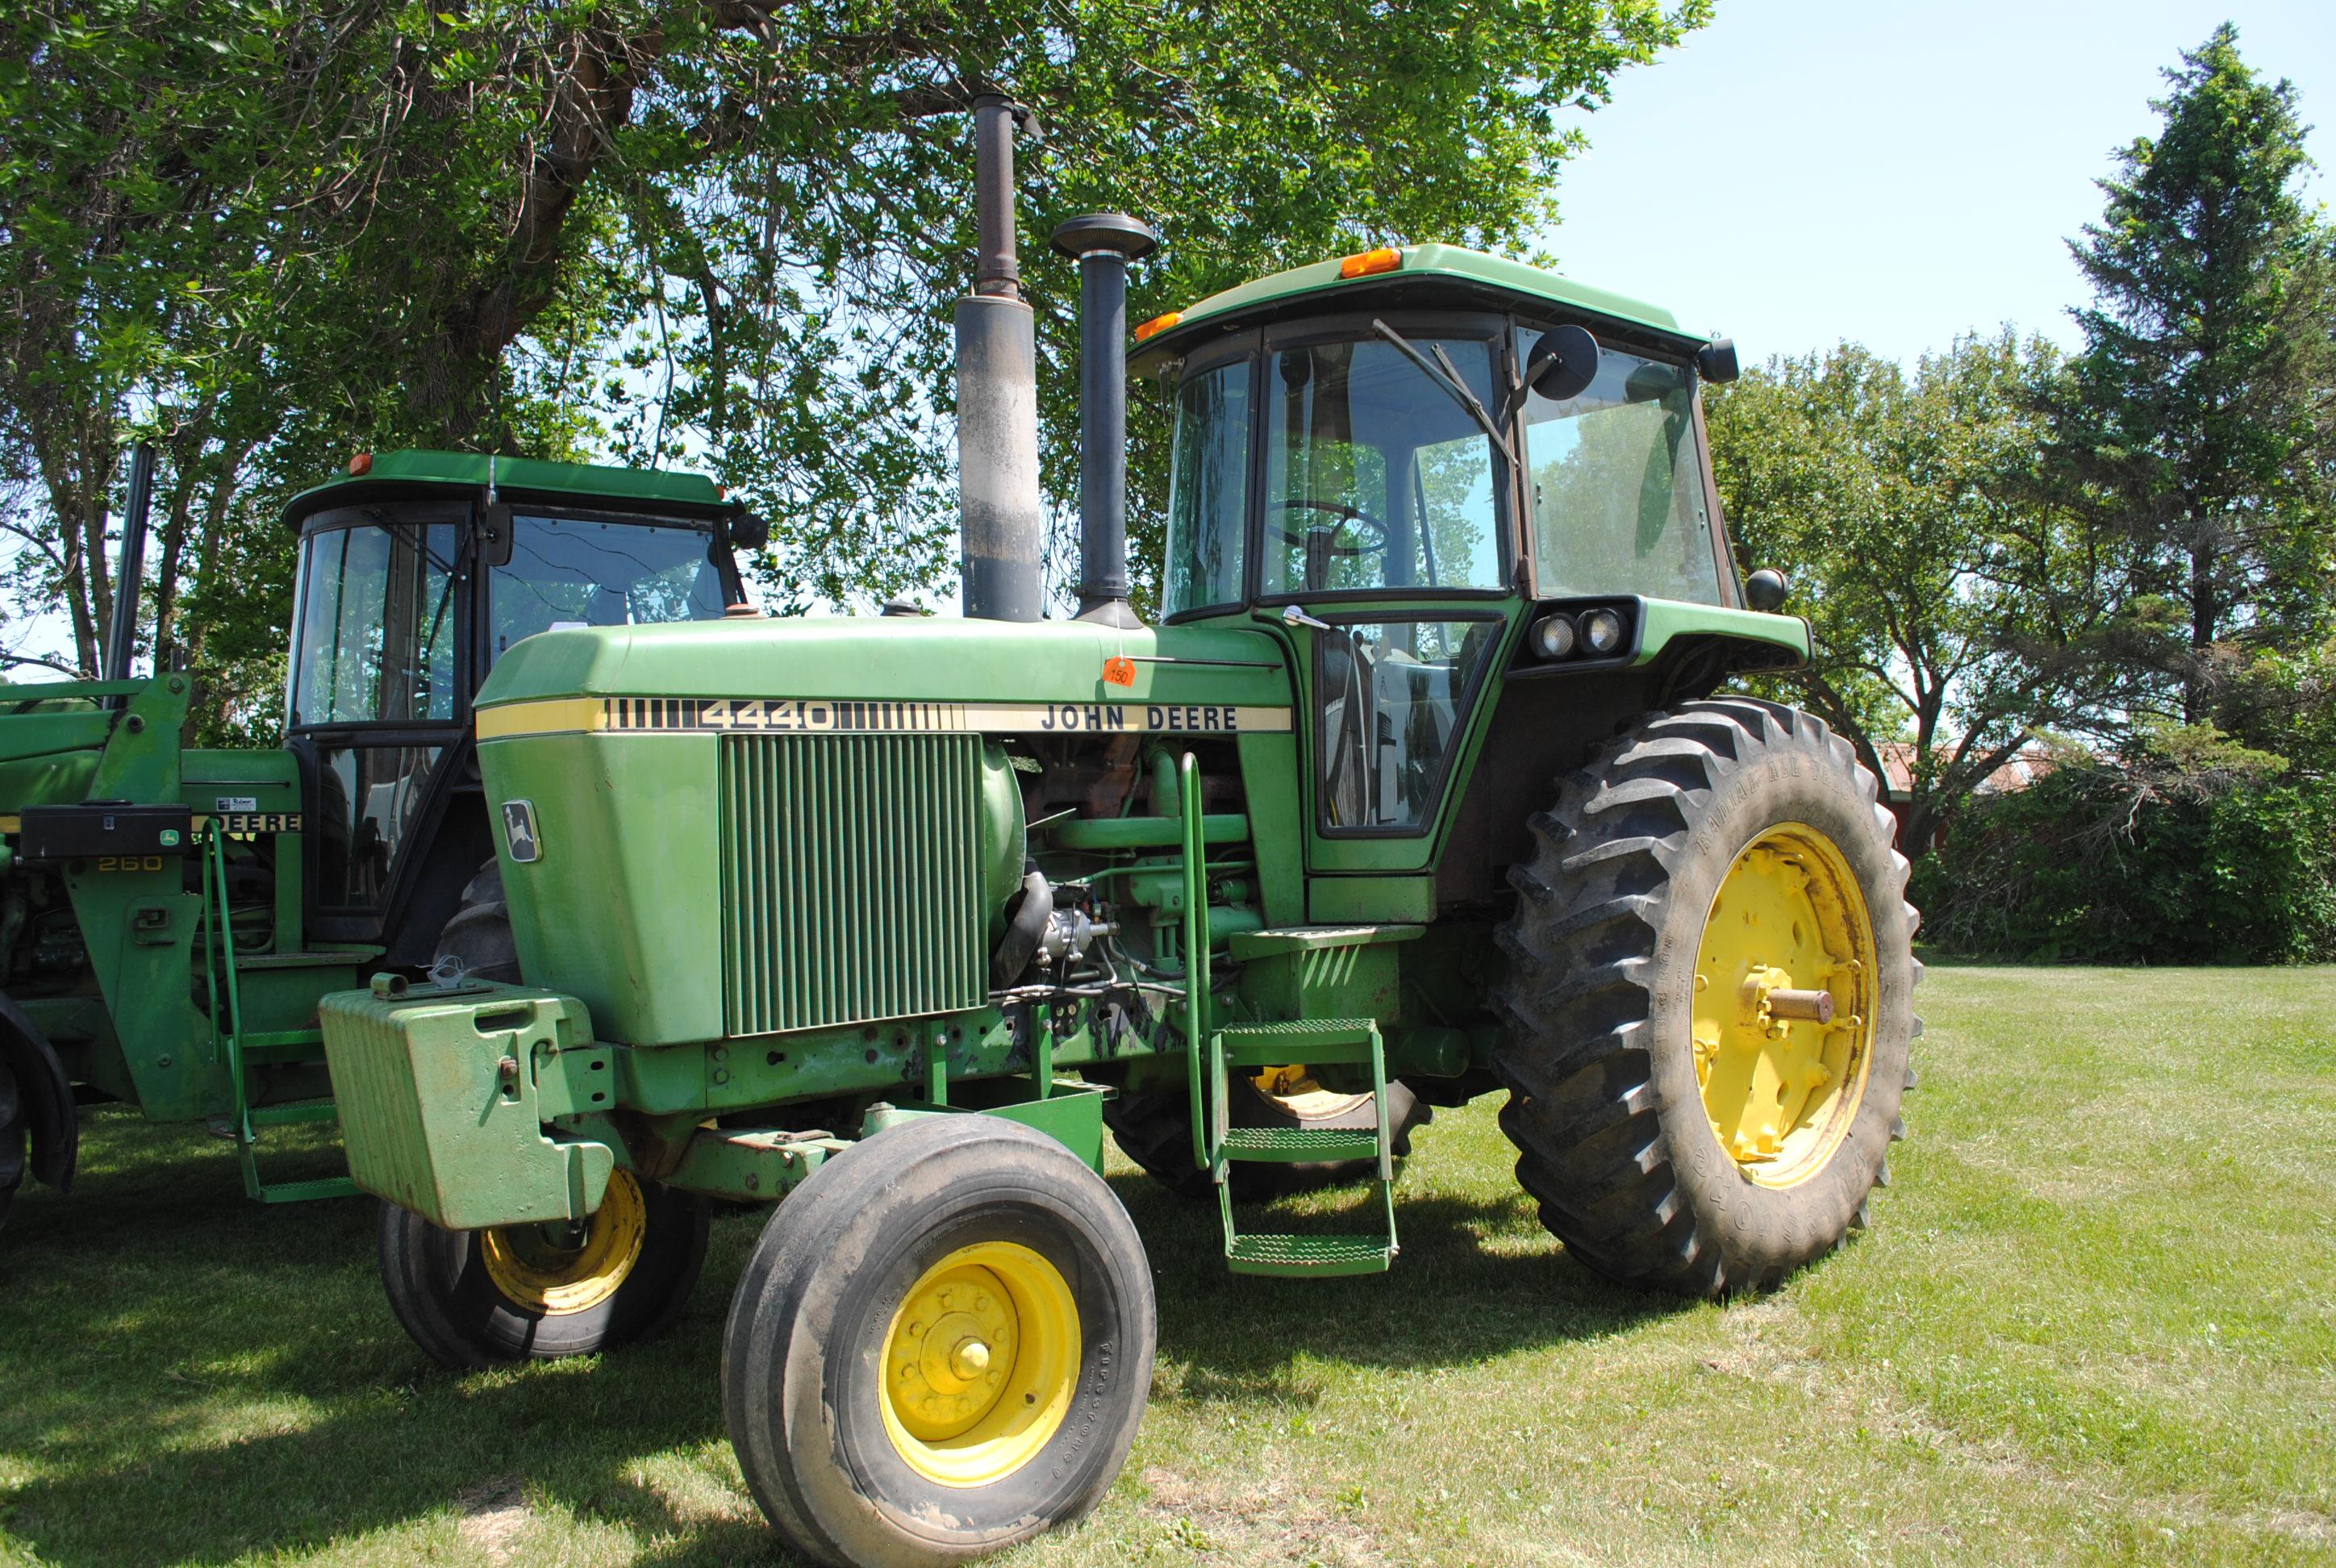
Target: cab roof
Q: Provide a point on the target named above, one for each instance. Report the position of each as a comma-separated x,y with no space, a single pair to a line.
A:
388,473
1440,269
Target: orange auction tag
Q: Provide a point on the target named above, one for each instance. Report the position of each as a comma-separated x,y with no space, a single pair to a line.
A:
1119,670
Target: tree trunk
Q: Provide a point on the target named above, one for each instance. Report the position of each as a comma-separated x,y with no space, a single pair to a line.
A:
2203,614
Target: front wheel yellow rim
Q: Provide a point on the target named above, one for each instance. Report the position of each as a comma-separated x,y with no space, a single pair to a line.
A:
980,1363
1784,1001
557,1270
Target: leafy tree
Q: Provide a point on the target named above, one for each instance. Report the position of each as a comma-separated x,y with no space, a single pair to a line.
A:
2197,421
723,232
1955,608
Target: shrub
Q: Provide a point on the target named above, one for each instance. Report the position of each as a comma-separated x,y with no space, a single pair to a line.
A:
2156,861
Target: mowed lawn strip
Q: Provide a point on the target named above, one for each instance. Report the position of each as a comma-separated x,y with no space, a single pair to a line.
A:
2095,1321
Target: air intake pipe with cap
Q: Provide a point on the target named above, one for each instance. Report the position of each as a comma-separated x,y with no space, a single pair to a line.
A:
1104,243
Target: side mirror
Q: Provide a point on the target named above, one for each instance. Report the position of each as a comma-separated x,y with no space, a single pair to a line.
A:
494,533
1764,590
1564,363
1715,360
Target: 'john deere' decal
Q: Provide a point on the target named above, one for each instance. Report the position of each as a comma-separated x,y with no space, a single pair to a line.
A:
698,715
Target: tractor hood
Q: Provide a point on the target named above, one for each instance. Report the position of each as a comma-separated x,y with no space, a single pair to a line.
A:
752,827
998,677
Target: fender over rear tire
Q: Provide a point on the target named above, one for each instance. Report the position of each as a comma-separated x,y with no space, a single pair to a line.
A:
471,1299
942,1346
1712,864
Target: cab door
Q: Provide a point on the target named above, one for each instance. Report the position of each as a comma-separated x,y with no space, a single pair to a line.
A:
1387,552
379,706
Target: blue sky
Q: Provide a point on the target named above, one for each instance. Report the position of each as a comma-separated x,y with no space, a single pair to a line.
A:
1803,171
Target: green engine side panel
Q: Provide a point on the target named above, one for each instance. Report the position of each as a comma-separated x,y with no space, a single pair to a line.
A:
623,907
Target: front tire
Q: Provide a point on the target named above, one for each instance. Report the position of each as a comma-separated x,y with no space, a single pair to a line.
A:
1708,883
473,1299
942,1346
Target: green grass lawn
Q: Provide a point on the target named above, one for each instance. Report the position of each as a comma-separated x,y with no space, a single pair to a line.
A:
2095,1320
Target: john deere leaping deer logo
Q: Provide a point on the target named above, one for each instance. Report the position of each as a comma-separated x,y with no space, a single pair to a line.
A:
518,831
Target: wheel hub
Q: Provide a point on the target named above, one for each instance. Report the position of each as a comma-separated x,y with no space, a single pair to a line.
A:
980,1363
1782,1013
569,1266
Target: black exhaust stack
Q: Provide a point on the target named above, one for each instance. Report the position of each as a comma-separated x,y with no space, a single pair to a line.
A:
121,633
1104,243
1002,527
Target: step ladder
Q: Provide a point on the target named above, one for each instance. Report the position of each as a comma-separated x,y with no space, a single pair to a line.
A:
1326,1042
1317,1042
239,1052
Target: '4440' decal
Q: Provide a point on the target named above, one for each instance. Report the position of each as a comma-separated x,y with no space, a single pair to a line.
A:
780,715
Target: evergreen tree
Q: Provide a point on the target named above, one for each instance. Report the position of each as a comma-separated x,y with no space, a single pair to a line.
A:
2196,424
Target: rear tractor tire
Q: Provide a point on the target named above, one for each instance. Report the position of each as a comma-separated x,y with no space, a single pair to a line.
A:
478,935
1155,1129
942,1346
15,1129
473,1299
1709,1008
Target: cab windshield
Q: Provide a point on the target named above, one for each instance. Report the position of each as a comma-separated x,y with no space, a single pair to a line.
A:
573,572
1376,477
382,610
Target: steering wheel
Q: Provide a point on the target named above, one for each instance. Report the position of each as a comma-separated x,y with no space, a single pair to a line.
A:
1304,539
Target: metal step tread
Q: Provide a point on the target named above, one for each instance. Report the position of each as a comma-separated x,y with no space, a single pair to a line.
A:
1272,1254
301,1045
308,1192
1291,1145
1323,1041
292,1111
1312,938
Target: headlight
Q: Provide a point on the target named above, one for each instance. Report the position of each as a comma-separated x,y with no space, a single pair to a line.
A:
1552,635
1601,632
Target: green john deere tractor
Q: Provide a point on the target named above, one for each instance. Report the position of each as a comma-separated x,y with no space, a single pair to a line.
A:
1420,791
169,916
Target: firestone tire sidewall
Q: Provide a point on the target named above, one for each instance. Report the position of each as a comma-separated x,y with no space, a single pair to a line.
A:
804,1355
440,1289
1764,1232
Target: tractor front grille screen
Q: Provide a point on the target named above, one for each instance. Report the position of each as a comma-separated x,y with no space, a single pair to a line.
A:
852,883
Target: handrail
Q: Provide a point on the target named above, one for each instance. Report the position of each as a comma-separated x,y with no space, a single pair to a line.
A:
1196,943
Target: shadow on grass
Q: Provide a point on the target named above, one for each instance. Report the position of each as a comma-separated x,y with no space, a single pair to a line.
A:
190,1377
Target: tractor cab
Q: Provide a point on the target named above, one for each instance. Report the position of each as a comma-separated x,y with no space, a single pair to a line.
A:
417,574
1431,468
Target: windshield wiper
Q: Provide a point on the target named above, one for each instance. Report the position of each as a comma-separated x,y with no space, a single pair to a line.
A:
1447,376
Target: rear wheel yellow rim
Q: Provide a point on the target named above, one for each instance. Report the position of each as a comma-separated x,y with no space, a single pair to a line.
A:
980,1363
1789,920
556,1270
1293,1087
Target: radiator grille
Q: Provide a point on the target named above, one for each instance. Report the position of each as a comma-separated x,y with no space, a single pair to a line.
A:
851,884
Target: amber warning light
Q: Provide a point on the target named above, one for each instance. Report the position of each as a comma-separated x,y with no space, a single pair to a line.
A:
1385,258
360,466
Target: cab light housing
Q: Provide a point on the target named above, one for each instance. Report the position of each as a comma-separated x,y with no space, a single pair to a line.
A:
1158,325
360,466
1601,633
1385,258
1553,636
